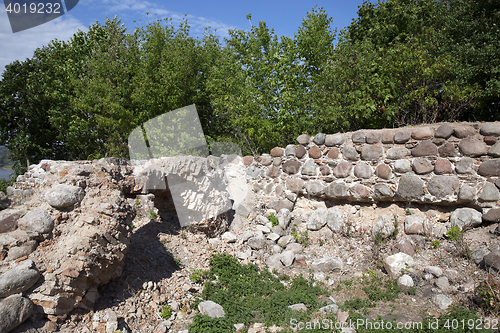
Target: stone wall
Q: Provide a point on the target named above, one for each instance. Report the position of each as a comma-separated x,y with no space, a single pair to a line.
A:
442,164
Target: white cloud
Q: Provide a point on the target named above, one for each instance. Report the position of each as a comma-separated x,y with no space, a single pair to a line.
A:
21,45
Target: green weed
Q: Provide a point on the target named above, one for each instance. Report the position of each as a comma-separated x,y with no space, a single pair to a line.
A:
167,312
273,219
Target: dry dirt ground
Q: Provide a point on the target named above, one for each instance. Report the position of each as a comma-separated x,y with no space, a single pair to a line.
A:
162,256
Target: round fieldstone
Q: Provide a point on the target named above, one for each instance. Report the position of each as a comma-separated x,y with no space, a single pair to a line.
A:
491,129
402,166
363,170
388,137
489,193
444,131
304,139
309,168
266,159
335,219
465,218
383,171
410,187
490,168
350,153
492,216
359,192
466,193
472,147
373,137
291,167
294,184
442,186
442,166
464,131
422,166
314,188
319,138
422,133
495,150
273,172
358,137
314,152
396,153
402,137
324,170
277,161
62,195
300,151
290,150
36,220
8,219
382,192
384,226
490,140
277,152
334,140
342,170
247,160
15,309
372,152
465,165
19,278
336,190
425,148
333,153
447,150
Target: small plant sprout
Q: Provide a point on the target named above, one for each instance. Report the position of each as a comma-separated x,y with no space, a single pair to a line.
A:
167,312
436,244
273,219
152,215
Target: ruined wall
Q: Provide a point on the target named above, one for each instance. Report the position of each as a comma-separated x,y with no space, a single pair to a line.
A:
442,164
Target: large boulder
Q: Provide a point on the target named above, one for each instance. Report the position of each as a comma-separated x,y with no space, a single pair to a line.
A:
62,195
465,218
36,220
14,310
410,188
19,278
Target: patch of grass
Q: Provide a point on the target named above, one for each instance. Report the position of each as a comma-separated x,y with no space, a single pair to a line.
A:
436,244
378,290
198,275
301,238
456,235
152,215
488,292
250,295
273,219
167,312
137,203
358,304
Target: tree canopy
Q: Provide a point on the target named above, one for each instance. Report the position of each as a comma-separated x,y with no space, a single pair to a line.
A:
399,62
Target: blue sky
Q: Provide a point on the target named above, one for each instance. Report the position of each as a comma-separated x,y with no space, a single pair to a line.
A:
284,16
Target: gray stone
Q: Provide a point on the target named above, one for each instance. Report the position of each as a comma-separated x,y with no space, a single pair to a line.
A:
318,219
425,148
350,153
4,201
422,166
294,247
382,192
492,260
492,215
334,140
444,131
402,137
287,258
284,217
465,165
358,137
256,243
266,159
25,249
396,153
309,168
290,150
274,261
327,265
402,166
464,131
410,187
304,139
372,152
242,210
422,133
442,301
62,195
329,309
395,263
434,270
466,193
319,138
359,192
490,168
342,170
298,307
314,188
335,219
465,218
490,129
373,137
229,237
447,150
442,186
363,170
9,218
285,240
273,172
478,254
277,205
255,172
405,282
472,147
489,193
384,226
416,225
14,310
19,278
291,167
336,190
211,309
495,150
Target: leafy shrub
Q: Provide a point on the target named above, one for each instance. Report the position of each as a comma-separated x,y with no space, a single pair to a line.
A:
167,312
273,219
